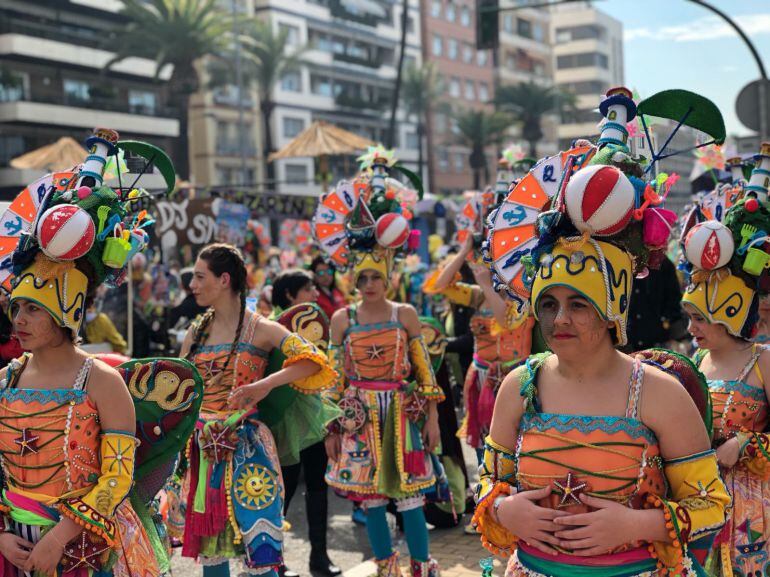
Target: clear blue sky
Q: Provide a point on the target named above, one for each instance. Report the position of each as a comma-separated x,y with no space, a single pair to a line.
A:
678,44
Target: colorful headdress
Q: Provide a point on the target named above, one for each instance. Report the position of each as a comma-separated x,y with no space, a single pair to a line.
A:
547,231
365,224
68,230
727,258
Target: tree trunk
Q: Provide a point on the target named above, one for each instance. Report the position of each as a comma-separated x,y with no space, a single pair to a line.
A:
266,107
182,160
476,179
533,149
399,74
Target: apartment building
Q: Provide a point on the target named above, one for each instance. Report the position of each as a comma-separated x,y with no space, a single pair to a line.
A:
347,78
467,76
587,61
52,82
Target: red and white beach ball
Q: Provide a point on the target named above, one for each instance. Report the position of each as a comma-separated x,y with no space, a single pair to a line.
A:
600,200
65,232
709,245
391,230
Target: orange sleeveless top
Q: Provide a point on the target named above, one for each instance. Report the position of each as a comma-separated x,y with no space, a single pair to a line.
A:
49,439
616,458
246,365
376,351
506,346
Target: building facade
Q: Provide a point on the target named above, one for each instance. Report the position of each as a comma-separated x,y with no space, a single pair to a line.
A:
467,78
347,79
587,61
53,83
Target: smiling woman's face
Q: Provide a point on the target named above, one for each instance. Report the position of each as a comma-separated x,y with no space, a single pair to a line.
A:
568,321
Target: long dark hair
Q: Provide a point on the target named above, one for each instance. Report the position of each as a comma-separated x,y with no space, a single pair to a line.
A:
222,258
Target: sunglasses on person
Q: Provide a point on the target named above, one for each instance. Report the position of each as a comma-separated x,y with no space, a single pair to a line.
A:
328,271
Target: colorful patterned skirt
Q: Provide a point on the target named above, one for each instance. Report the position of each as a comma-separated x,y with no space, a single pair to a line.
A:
235,500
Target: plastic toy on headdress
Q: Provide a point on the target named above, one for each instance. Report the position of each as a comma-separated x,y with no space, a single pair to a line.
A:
73,214
370,213
595,190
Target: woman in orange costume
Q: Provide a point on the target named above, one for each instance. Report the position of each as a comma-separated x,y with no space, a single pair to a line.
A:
235,500
501,339
596,464
722,305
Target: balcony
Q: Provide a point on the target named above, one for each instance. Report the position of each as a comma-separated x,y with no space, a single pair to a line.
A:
337,9
344,100
232,148
358,60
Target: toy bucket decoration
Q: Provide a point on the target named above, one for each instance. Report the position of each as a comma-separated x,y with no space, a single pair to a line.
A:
657,224
756,261
116,251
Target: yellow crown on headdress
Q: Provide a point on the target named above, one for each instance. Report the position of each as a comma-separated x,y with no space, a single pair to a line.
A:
59,288
379,260
722,298
600,271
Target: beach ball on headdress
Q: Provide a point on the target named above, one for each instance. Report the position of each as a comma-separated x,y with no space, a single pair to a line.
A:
391,230
599,200
65,232
709,245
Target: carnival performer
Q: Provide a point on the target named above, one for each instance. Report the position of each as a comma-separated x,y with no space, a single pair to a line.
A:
381,448
596,463
330,297
722,302
235,500
295,287
67,421
502,338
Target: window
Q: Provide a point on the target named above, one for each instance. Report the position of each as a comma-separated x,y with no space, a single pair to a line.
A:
586,87
453,126
451,12
292,33
508,23
459,161
443,159
483,92
142,102
524,28
538,67
291,82
320,85
465,16
452,49
438,45
585,59
585,32
76,91
439,122
296,174
15,86
454,87
412,141
225,175
467,53
292,126
538,32
481,57
470,90
11,147
435,8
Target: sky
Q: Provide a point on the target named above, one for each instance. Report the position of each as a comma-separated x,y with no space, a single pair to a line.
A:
678,44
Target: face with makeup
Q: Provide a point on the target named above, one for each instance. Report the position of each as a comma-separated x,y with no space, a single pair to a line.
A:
570,323
707,335
371,284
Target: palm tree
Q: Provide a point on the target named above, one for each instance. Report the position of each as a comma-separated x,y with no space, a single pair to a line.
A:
421,89
179,33
528,102
267,57
478,129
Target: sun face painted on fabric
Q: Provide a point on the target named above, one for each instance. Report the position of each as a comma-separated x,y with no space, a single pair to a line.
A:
597,270
256,487
723,298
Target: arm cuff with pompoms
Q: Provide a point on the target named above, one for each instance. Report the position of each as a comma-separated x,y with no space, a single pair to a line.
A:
297,349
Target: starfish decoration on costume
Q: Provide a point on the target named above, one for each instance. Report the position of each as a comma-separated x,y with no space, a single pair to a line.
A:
211,369
83,553
27,442
375,352
218,441
569,491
